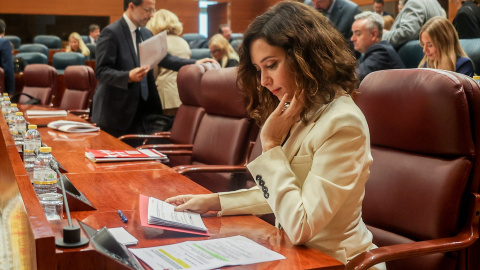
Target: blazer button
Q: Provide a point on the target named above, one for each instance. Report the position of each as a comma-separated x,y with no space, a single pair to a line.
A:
261,183
266,195
265,189
258,177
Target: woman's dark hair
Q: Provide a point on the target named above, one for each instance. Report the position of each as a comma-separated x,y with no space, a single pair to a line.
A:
316,53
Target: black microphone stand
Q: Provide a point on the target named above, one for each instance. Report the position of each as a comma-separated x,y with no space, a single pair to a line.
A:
71,234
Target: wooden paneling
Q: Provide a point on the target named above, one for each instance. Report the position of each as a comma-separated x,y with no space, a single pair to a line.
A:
186,10
217,14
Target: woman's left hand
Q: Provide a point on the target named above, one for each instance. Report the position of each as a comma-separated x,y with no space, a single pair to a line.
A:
280,121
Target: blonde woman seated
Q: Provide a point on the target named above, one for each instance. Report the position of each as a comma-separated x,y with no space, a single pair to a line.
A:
76,44
222,51
166,79
442,49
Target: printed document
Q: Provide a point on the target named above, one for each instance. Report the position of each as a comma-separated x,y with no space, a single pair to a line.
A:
207,254
153,50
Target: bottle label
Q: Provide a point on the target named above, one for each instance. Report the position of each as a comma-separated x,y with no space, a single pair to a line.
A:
44,177
29,147
21,128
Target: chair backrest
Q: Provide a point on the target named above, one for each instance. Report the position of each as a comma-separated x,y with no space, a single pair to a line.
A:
200,53
62,60
226,128
33,57
424,133
92,48
472,49
236,36
195,40
40,81
236,44
79,84
52,42
16,41
2,80
40,48
411,53
85,39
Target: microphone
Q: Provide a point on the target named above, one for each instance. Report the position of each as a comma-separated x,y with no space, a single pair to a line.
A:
71,234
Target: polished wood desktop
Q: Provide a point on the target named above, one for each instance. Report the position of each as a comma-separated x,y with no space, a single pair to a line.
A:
113,186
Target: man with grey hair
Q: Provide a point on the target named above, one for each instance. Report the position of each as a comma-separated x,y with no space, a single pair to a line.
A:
367,39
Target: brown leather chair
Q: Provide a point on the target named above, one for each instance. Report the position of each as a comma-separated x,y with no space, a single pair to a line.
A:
2,80
79,84
188,117
420,200
224,133
40,81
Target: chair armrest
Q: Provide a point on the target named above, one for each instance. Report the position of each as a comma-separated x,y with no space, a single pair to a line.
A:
177,152
144,137
467,236
186,169
165,147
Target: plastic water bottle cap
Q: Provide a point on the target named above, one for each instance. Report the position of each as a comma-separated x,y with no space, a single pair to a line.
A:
19,113
7,98
476,78
13,105
5,94
45,149
32,126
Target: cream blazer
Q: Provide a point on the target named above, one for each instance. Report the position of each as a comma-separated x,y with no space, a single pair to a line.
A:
316,182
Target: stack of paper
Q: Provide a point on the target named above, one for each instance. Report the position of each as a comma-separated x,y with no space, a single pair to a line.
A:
72,126
162,213
123,155
122,236
46,113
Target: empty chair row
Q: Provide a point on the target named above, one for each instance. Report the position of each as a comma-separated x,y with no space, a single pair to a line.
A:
60,61
50,41
40,81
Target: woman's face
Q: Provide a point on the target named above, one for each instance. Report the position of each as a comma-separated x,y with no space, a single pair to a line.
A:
275,74
428,47
216,52
73,42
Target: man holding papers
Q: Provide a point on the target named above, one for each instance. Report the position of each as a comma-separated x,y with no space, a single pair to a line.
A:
126,92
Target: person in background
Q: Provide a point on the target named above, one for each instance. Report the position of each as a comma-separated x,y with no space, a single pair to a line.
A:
222,51
410,20
6,59
387,22
94,31
467,20
367,39
378,6
341,13
442,49
226,31
297,74
401,4
126,94
76,44
166,79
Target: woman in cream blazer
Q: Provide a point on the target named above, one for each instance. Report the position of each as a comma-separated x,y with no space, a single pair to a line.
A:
297,75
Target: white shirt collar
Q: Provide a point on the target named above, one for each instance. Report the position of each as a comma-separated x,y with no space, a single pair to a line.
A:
130,24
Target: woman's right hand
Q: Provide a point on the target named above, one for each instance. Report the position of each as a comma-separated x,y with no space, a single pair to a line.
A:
196,203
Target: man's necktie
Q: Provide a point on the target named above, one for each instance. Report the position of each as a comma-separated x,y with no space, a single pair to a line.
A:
143,83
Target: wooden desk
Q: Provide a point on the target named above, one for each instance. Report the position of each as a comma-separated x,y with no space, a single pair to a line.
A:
114,186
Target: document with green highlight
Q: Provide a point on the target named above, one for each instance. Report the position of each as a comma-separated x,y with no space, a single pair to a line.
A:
206,254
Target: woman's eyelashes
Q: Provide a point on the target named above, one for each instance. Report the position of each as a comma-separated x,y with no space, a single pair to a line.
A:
272,66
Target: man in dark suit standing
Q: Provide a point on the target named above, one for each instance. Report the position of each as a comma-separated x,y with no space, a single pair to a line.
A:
378,6
467,20
378,54
126,93
340,13
6,60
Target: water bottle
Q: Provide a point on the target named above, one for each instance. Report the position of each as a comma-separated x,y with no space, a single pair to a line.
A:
2,98
19,128
45,185
11,114
31,145
5,106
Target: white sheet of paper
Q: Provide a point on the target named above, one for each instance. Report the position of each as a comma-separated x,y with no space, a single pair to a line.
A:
122,236
153,50
206,254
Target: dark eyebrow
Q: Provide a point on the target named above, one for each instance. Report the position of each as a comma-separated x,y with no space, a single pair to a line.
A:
265,58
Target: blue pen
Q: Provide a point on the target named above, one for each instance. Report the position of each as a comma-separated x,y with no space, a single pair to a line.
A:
122,216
